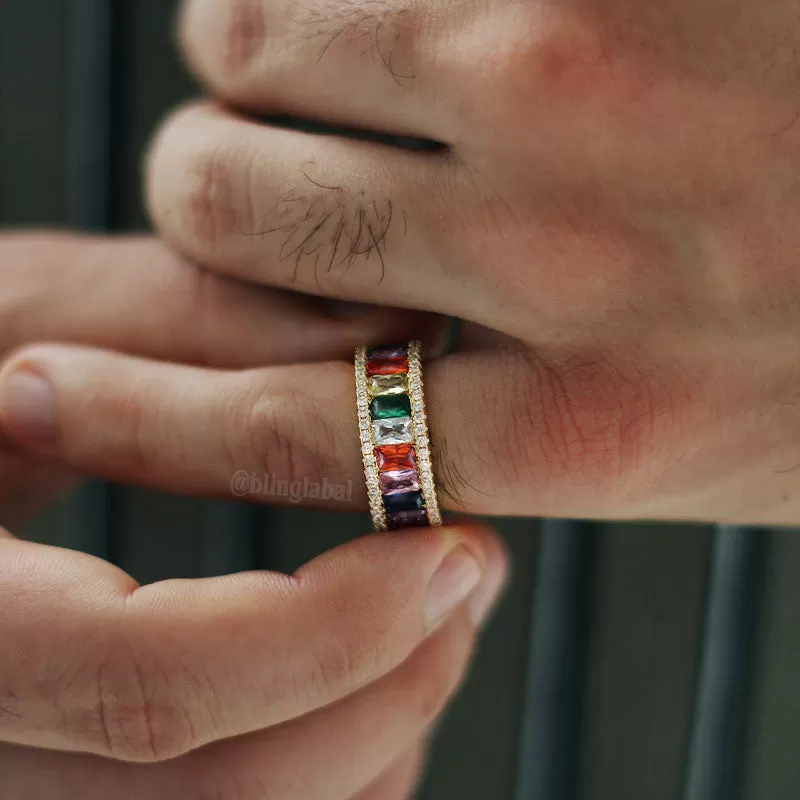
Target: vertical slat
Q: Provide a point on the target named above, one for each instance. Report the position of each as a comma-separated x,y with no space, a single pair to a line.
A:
90,114
724,687
475,749
772,769
88,173
549,741
33,56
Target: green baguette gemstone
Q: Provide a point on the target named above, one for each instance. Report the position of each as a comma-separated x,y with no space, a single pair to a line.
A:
390,406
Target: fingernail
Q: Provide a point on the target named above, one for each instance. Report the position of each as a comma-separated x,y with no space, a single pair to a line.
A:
27,410
485,598
454,580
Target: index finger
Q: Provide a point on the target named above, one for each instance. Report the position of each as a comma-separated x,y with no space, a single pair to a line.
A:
134,295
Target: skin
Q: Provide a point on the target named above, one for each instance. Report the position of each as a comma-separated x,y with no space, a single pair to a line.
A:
612,212
133,296
610,206
228,687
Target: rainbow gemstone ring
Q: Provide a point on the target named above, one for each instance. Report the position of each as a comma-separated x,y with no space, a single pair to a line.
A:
395,445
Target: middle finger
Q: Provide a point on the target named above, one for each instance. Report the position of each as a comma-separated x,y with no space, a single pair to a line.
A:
132,295
333,216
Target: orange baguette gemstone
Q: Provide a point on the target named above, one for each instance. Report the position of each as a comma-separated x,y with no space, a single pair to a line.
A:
396,457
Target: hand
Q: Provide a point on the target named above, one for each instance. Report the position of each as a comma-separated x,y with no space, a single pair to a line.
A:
320,686
133,296
616,199
227,687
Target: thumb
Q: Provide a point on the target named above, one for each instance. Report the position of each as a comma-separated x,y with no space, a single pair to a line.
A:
148,673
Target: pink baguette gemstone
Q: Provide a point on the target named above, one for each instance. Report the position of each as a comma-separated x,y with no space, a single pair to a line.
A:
398,481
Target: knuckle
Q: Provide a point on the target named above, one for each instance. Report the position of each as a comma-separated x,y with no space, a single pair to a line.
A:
276,430
112,704
131,420
138,714
200,195
590,73
244,35
600,424
283,430
210,210
223,40
573,423
556,55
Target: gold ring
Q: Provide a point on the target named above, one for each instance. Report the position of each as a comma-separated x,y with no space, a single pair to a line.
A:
395,443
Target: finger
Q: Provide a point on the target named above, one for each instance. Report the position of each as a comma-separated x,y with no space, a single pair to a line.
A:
512,432
203,432
399,781
93,663
135,296
31,774
364,747
336,752
371,63
321,214
500,426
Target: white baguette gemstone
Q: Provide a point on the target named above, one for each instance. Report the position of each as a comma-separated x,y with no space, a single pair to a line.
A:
393,431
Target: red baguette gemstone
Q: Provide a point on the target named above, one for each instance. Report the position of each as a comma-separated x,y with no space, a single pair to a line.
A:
387,366
396,457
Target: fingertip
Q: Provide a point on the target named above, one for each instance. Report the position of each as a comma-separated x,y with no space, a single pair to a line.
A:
464,562
27,405
487,546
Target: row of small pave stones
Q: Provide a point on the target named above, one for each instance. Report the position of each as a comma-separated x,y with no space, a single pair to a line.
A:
376,507
422,442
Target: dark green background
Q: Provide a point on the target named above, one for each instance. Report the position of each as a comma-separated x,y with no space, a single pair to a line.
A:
648,583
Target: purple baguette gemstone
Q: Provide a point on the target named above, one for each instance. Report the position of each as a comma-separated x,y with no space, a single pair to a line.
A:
408,519
388,352
397,481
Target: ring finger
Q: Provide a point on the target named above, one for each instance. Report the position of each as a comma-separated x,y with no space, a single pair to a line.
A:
196,431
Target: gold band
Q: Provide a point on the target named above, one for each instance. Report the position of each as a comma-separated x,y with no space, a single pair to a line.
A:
376,508
421,433
395,443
